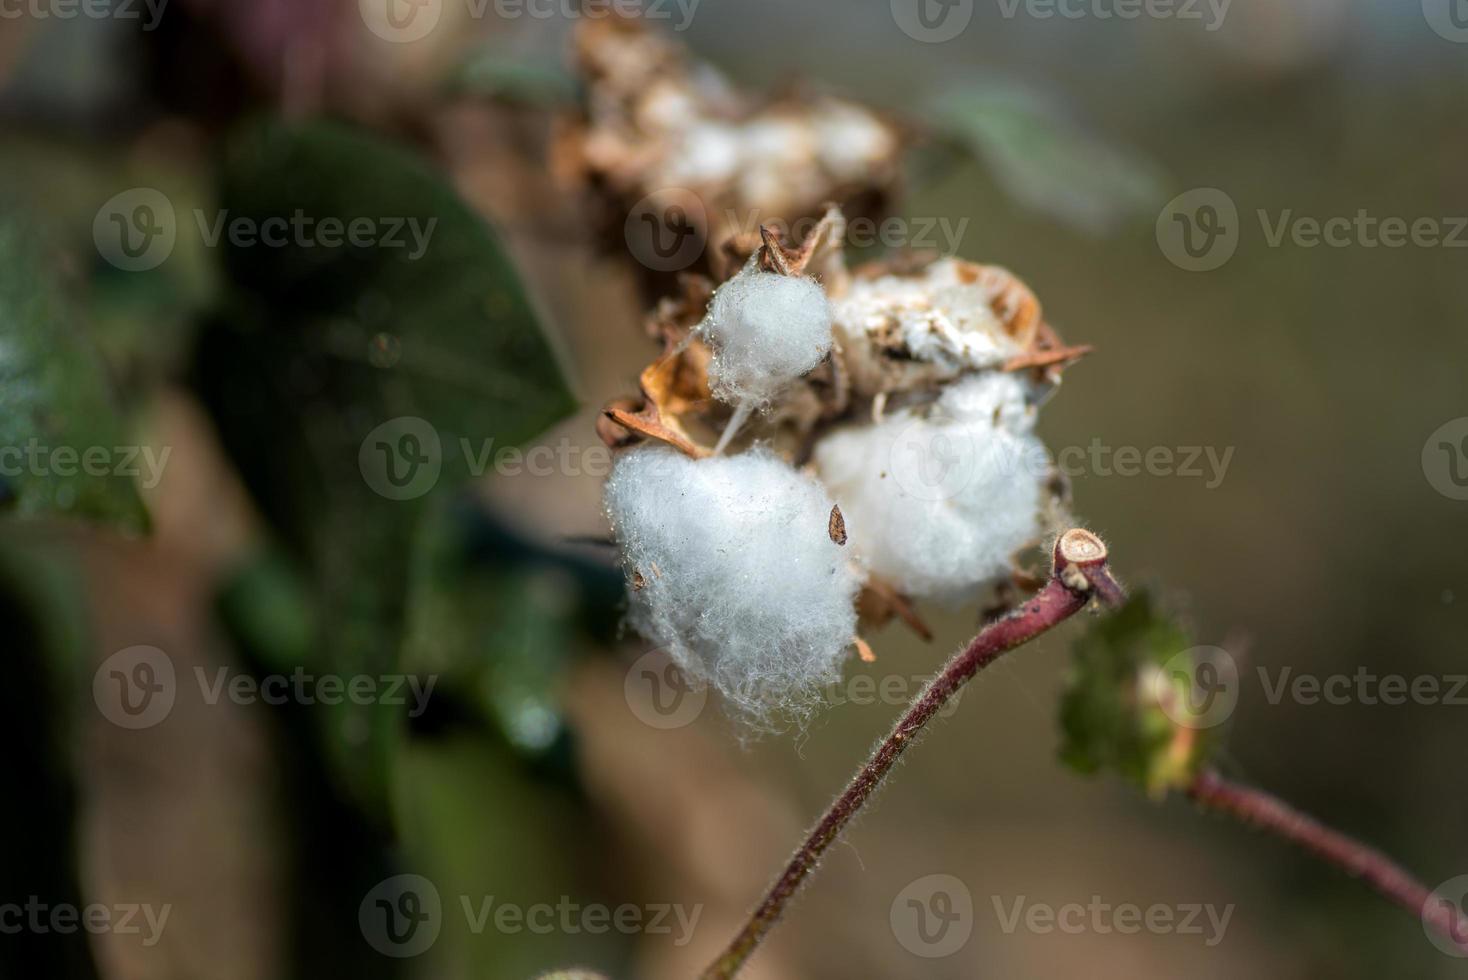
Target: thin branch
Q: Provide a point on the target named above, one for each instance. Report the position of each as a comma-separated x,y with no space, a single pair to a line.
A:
1260,809
1080,573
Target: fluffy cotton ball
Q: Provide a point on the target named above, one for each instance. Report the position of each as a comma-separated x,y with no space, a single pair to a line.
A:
766,330
940,502
733,570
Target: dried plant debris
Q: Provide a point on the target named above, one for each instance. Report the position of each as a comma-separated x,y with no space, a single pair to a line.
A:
664,131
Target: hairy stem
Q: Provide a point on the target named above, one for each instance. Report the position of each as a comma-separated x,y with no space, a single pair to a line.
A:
1080,573
1260,809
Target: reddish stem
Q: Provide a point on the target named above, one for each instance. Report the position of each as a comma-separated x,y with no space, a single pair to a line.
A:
1261,809
1080,572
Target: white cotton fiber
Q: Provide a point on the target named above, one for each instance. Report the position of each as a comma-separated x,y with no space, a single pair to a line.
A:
733,570
940,502
766,330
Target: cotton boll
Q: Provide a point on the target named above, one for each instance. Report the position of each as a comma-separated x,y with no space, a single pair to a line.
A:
733,570
766,330
940,502
910,331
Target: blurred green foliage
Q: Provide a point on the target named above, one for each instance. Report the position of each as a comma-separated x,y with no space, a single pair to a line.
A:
55,396
1128,707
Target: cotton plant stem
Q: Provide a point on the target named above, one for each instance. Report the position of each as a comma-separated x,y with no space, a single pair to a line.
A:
1080,574
1260,809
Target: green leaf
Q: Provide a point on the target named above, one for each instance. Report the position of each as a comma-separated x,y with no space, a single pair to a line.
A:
1044,161
1126,709
139,319
63,447
355,383
497,637
474,823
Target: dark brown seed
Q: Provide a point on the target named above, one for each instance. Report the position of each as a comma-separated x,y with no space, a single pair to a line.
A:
837,527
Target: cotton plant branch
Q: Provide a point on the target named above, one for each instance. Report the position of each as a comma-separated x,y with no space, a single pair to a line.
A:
1137,706
1080,574
1271,814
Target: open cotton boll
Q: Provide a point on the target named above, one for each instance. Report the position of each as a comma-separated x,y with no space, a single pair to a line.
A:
733,570
904,332
940,502
766,330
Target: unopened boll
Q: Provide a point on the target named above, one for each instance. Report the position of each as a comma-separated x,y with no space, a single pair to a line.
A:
766,330
733,570
940,501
